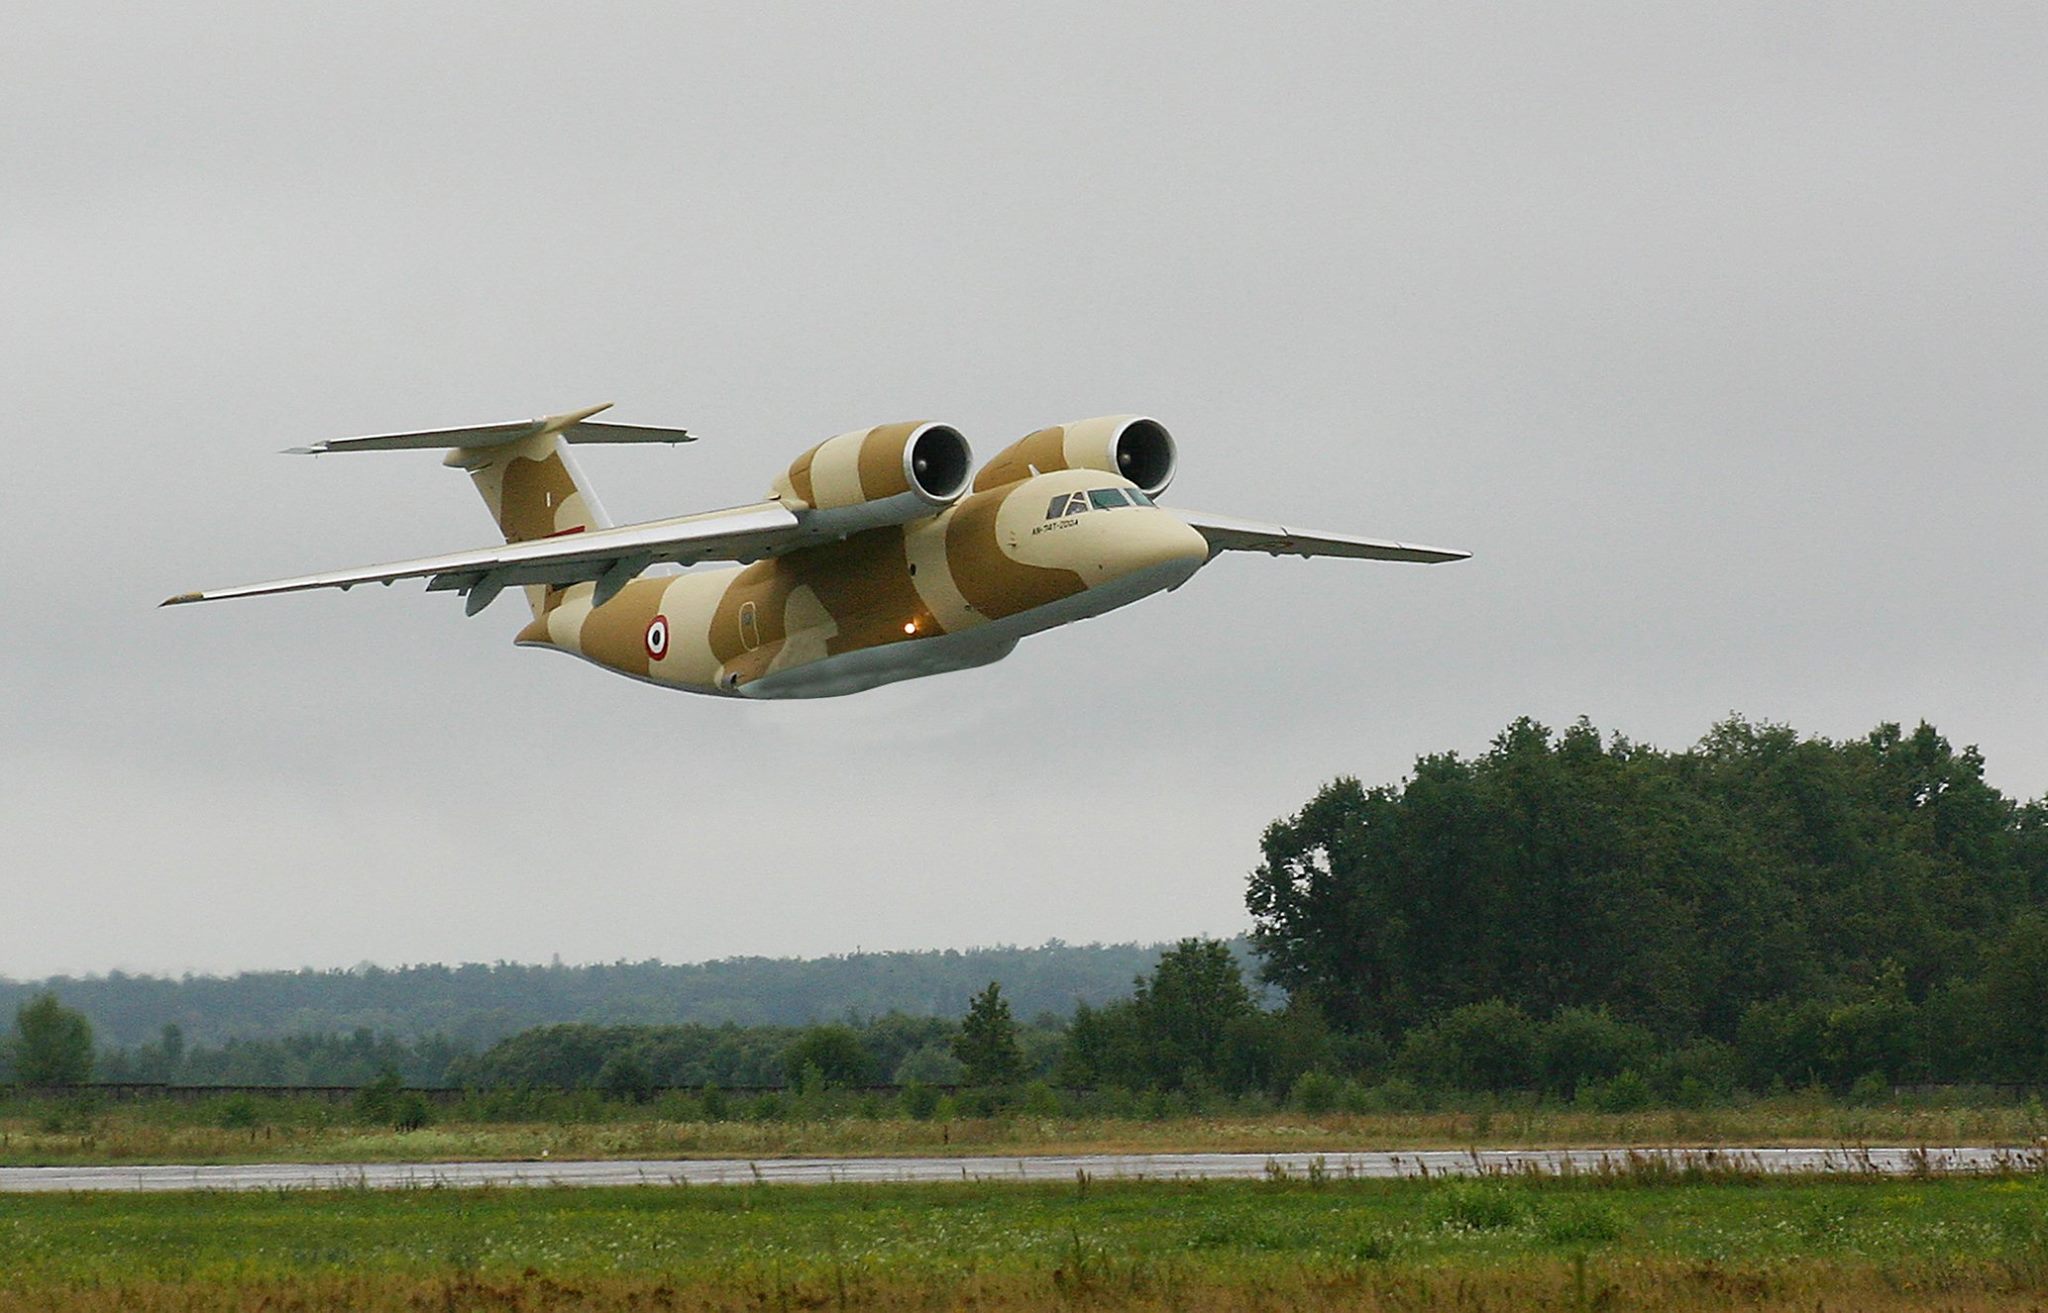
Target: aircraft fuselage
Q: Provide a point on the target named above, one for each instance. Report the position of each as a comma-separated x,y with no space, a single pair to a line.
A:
945,592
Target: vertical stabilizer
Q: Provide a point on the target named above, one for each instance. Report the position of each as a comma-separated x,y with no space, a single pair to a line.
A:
534,490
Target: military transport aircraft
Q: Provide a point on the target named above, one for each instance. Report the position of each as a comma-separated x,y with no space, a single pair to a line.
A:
879,555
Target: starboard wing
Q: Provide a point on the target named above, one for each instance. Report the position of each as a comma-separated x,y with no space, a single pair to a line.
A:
1228,533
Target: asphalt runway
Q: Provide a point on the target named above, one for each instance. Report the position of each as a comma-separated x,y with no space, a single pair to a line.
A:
1887,1161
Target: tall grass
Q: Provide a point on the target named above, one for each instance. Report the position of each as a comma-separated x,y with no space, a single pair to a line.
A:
259,1128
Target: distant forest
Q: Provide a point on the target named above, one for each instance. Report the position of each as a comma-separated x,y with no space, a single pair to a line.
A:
474,1005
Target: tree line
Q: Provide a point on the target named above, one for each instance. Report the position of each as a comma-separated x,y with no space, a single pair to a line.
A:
1568,916
475,1004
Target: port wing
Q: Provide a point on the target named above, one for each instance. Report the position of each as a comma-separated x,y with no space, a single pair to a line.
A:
609,557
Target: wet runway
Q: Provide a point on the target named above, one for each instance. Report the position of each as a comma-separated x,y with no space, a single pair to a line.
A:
1888,1161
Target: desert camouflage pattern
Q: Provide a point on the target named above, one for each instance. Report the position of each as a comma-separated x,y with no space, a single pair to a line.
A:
952,586
534,491
879,555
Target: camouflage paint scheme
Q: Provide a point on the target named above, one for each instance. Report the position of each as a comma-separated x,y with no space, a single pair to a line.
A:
879,554
954,587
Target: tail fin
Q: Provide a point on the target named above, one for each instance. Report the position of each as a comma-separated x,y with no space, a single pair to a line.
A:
532,486
524,471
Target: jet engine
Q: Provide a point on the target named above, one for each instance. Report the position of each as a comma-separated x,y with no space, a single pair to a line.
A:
1138,448
889,474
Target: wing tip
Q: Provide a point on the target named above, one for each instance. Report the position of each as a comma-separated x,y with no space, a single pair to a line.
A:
181,599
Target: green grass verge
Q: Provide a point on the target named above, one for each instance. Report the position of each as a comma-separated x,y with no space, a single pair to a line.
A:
1647,1241
263,1129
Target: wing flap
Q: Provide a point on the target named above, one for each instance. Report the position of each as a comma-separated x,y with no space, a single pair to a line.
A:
1228,533
744,533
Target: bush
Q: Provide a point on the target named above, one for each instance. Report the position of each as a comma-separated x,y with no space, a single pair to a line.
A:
1315,1093
1628,1092
625,1078
377,1103
1582,1221
1390,1095
1870,1090
1475,1206
920,1100
1587,1044
412,1112
1041,1100
1481,1046
237,1112
978,1102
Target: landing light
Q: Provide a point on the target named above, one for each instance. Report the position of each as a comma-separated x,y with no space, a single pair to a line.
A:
910,626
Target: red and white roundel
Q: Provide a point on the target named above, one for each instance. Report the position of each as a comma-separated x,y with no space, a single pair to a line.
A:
657,638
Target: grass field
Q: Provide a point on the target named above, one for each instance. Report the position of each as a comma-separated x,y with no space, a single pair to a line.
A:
1646,1240
303,1130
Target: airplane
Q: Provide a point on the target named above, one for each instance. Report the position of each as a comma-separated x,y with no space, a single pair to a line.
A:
879,555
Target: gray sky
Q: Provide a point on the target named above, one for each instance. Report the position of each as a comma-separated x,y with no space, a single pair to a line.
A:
1716,331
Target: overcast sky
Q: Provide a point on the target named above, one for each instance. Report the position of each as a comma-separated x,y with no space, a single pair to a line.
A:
1718,333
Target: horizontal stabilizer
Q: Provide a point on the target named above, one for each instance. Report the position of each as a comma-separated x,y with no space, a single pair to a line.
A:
576,426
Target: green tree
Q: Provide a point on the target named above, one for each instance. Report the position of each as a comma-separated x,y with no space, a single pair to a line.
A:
52,1043
625,1077
987,1043
834,1051
1188,1011
2016,1000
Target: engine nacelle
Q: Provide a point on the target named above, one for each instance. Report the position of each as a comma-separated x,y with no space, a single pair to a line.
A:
889,474
1138,448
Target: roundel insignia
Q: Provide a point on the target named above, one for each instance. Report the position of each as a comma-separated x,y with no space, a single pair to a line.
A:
657,638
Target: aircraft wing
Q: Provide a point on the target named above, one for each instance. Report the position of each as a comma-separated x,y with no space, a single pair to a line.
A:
611,557
1227,533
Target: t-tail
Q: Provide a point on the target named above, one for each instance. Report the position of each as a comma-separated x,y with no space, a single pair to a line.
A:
527,477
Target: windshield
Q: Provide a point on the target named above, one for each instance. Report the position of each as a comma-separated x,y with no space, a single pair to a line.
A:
1098,499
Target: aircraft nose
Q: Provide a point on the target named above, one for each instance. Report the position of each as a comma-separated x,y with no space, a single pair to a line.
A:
1163,539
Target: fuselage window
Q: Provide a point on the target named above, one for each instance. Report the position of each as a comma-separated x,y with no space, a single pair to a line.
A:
1137,498
1107,499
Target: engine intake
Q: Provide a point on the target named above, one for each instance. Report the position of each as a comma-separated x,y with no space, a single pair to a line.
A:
1134,446
888,474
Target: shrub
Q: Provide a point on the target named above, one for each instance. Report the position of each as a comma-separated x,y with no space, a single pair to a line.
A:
1628,1092
1587,1044
1391,1095
920,1100
377,1102
1041,1100
1315,1093
625,1078
1481,1046
1582,1221
1475,1206
237,1112
412,1112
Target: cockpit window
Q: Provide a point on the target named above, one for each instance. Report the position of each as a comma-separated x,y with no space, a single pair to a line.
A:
1100,499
